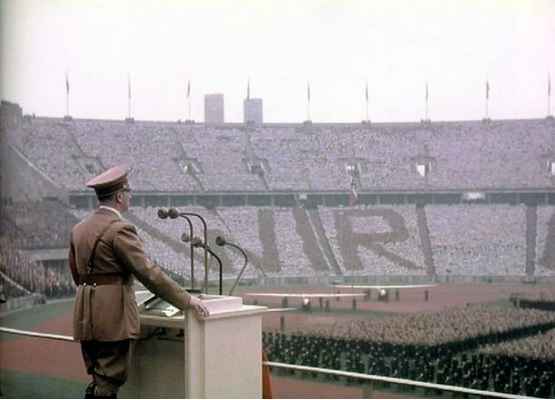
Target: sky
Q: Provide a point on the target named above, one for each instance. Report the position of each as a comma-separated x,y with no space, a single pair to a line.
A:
141,58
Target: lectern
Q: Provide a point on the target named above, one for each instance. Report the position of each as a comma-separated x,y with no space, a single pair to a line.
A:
180,356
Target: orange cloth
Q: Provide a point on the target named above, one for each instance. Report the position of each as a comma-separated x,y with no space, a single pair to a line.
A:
266,382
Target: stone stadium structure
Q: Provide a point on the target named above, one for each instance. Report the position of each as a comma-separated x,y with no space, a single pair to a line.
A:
437,201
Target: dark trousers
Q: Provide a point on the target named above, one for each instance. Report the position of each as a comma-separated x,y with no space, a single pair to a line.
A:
108,363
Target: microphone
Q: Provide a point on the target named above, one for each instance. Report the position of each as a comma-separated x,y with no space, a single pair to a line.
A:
196,242
162,213
220,241
173,213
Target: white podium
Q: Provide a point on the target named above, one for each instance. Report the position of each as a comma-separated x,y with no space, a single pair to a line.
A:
180,356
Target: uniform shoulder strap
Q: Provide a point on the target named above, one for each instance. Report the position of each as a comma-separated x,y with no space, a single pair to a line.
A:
90,264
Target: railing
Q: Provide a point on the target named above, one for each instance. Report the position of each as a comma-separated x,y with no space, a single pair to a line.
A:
398,381
36,334
331,372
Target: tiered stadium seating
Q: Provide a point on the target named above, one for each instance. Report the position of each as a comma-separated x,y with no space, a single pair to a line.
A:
462,155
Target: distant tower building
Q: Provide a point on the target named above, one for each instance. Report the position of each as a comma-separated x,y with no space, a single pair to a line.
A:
252,111
214,109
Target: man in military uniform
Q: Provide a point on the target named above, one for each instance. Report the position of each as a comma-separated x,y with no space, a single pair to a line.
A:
105,255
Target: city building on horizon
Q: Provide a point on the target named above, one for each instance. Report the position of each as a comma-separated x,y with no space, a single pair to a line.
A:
214,108
252,111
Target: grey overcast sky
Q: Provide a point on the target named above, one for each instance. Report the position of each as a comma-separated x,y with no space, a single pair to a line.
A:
280,48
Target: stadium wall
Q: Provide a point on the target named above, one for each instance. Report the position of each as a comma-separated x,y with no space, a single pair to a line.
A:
25,182
312,200
20,303
395,280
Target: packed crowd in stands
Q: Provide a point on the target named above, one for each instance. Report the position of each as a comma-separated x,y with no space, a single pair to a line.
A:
22,276
380,240
462,155
21,268
164,241
279,250
222,155
357,235
362,240
464,240
457,346
545,244
482,239
50,146
40,224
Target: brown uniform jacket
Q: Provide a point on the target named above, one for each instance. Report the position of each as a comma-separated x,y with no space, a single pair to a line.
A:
110,312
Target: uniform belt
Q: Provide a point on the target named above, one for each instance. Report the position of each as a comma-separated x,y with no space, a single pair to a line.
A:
103,279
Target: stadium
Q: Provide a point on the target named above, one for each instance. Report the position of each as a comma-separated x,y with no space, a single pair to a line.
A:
463,211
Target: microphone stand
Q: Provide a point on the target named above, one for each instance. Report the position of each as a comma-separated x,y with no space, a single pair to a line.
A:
174,213
198,243
163,214
221,272
220,241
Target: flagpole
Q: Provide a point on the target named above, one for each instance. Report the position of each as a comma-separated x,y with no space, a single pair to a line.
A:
128,96
308,104
367,119
189,99
427,101
67,94
548,95
487,98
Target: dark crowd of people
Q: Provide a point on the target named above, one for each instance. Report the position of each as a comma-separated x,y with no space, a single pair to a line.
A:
460,347
39,224
23,276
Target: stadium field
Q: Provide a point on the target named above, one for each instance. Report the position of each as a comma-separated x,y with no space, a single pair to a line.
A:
42,368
